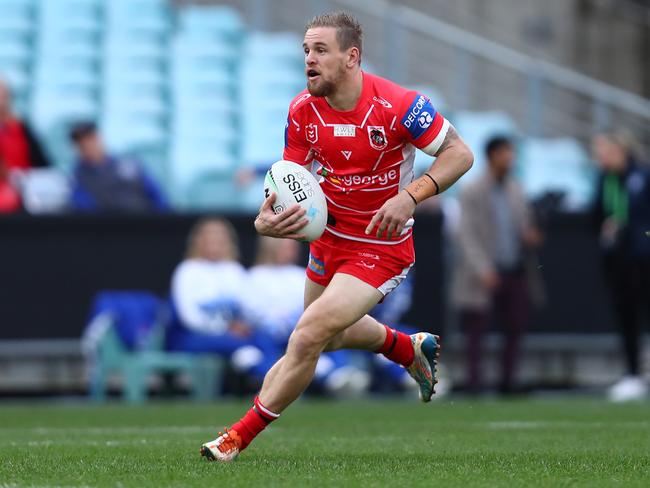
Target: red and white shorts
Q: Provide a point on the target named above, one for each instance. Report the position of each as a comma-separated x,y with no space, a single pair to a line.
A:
381,266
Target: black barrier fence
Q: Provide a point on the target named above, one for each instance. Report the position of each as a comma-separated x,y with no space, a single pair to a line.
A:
51,267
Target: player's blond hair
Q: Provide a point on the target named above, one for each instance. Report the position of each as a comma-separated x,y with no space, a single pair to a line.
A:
348,29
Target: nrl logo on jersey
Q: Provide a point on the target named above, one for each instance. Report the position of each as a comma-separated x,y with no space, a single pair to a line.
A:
311,133
377,136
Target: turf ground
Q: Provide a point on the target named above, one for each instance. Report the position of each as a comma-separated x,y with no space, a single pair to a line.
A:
371,443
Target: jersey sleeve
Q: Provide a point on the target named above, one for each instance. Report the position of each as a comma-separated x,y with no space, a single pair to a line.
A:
296,147
422,125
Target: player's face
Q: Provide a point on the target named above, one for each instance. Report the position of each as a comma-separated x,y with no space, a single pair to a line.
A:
324,61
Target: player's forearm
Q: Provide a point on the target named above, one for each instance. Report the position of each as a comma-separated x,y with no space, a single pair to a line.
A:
451,165
453,161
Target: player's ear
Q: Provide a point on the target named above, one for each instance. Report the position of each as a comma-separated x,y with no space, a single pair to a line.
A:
353,57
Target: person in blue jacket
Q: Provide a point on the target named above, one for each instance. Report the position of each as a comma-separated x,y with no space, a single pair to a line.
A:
103,182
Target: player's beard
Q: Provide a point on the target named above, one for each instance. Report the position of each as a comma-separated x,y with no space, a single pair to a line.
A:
325,88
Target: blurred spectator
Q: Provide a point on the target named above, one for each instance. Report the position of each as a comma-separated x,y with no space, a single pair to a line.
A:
207,293
495,271
622,215
19,149
275,297
108,183
9,196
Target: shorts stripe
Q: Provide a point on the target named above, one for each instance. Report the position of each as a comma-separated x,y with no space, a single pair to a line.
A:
389,285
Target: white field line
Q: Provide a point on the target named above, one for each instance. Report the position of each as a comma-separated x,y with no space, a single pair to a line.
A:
546,424
180,430
84,442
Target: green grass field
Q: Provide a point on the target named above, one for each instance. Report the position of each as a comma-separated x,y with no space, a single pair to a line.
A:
372,443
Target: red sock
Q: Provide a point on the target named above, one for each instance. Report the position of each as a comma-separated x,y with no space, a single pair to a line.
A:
397,347
254,422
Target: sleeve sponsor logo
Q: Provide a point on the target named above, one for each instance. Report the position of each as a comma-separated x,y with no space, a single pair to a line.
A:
300,99
419,116
382,101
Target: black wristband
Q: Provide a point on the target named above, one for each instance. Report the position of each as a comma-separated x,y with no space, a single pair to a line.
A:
412,197
434,182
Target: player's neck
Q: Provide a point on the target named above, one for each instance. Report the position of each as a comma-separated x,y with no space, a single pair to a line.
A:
348,93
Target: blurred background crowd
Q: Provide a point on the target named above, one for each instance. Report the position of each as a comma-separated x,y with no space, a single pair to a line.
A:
135,134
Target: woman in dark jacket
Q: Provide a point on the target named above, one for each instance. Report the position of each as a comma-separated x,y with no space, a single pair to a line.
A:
622,215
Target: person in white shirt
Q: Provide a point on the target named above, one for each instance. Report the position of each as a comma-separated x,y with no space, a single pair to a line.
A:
207,292
274,301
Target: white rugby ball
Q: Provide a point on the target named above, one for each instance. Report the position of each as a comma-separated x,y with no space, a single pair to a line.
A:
294,184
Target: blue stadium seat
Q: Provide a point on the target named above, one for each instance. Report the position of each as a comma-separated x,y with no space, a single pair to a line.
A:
51,104
213,192
211,22
124,131
278,47
14,48
16,17
196,155
216,50
559,165
16,77
252,195
134,44
80,15
143,15
212,79
69,72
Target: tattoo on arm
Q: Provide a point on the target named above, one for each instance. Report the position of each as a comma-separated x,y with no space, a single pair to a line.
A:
450,138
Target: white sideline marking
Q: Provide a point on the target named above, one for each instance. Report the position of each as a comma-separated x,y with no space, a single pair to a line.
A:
545,424
112,430
84,442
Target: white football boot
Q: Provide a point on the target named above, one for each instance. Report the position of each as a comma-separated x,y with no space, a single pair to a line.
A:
224,448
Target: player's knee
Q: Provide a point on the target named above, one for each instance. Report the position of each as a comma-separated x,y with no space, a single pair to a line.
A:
306,343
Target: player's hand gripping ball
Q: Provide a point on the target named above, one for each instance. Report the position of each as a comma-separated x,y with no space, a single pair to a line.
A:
294,184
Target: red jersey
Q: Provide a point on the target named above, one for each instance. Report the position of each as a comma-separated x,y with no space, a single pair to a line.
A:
14,147
365,155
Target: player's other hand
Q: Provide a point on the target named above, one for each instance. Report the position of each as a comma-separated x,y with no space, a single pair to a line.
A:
390,219
286,224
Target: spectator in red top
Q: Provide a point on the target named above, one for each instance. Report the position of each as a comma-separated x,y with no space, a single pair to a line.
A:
9,196
19,149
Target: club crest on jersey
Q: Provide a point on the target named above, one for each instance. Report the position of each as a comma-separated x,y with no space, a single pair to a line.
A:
311,133
377,137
